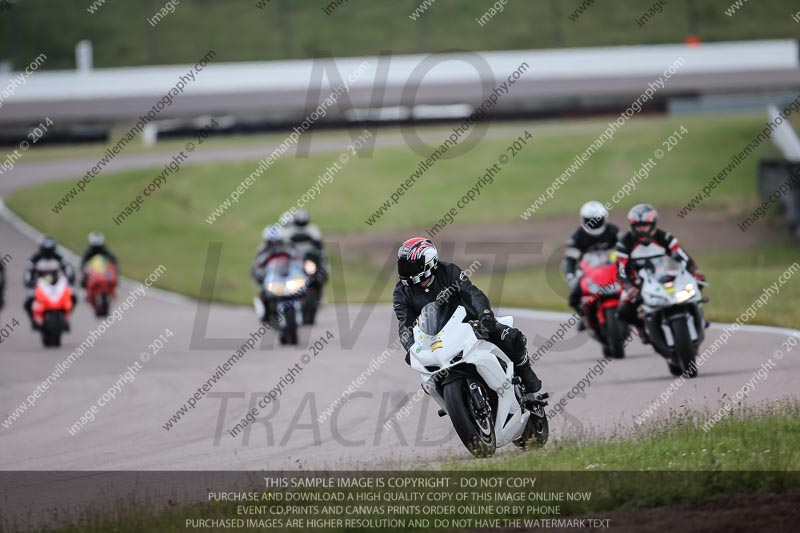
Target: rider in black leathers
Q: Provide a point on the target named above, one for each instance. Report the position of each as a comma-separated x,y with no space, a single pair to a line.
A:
593,234
46,255
97,246
307,240
423,279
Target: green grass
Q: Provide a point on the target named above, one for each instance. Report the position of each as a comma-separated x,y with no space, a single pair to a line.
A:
171,225
748,439
196,191
239,31
95,150
667,462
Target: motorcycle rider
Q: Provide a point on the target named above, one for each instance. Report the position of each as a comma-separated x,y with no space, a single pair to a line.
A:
594,233
302,232
307,240
97,246
45,259
644,239
274,245
424,279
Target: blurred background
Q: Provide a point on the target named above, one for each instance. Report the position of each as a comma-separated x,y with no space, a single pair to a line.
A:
83,72
301,29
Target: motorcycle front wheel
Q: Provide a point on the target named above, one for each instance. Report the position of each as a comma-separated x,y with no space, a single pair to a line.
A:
102,305
616,331
289,333
536,432
52,327
684,348
477,435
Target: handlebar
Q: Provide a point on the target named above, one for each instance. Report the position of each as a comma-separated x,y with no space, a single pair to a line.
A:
479,330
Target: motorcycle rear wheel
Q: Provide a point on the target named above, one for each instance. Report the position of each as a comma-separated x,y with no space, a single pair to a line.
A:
479,438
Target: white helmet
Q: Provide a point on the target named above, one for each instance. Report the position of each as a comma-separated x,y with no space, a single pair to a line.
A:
593,218
301,218
96,239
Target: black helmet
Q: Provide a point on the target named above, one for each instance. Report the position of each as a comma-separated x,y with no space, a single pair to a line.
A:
644,220
301,218
47,246
417,259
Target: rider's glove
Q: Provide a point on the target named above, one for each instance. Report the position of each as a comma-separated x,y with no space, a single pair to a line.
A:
698,274
629,293
487,320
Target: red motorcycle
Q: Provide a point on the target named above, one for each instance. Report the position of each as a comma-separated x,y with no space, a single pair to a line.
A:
52,306
600,297
101,284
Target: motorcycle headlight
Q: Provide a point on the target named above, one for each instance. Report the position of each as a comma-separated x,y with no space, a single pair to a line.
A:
294,285
276,287
685,294
310,267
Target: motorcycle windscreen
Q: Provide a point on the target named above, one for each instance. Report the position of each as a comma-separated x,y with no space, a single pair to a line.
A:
597,258
98,263
665,267
433,318
278,268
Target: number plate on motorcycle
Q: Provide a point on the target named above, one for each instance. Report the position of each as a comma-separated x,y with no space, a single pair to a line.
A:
436,343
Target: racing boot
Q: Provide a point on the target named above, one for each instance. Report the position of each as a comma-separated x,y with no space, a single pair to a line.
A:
530,380
533,398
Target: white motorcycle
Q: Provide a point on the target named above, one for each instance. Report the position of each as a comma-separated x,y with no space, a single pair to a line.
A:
473,381
673,311
285,285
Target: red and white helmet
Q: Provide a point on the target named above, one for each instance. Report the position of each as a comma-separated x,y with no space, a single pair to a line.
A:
417,260
644,220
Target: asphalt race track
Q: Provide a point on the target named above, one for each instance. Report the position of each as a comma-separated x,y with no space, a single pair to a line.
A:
128,432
